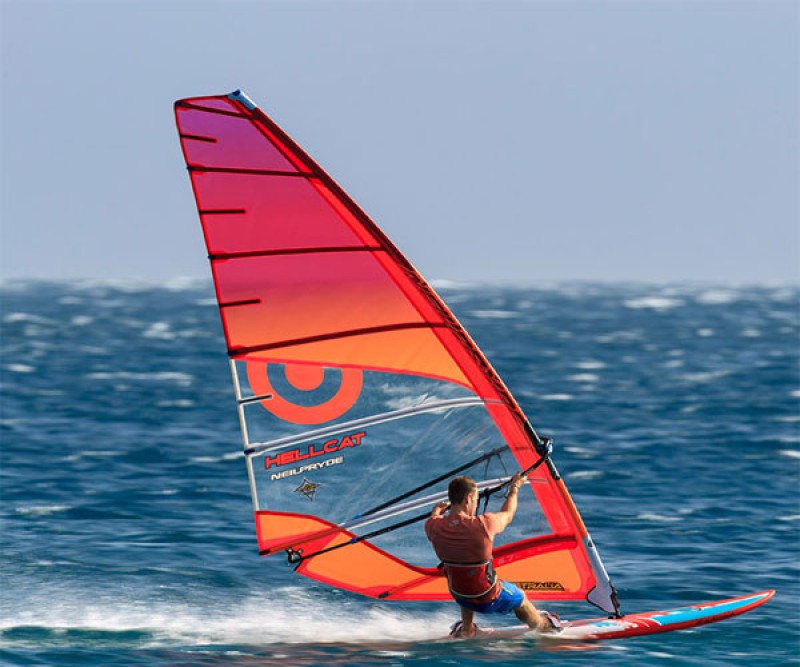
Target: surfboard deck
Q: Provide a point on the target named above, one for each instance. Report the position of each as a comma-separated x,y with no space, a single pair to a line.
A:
646,623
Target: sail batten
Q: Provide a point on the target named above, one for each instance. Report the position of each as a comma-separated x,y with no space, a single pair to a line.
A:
434,406
219,257
347,348
332,335
205,169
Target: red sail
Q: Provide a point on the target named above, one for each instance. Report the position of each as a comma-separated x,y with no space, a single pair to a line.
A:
305,279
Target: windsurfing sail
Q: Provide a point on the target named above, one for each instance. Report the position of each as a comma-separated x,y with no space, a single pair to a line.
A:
359,393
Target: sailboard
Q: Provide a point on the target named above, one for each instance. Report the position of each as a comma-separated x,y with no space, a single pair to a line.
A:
359,394
647,623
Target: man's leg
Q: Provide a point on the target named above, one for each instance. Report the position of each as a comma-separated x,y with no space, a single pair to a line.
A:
527,613
468,622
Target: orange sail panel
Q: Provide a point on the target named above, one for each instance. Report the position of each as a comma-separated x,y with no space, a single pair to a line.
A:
353,377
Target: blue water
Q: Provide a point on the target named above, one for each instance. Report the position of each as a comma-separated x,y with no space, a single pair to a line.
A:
127,534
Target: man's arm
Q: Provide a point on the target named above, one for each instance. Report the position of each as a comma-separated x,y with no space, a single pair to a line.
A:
506,514
440,509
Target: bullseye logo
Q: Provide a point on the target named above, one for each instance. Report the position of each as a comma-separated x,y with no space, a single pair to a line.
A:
309,384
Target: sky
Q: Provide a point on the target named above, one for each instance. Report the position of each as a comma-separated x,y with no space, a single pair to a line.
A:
493,141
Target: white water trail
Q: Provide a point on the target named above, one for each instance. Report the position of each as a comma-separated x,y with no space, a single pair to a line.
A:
283,616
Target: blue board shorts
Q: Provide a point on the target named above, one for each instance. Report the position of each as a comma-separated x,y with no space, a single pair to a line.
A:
510,598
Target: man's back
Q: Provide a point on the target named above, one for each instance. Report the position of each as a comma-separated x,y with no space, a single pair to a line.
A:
463,539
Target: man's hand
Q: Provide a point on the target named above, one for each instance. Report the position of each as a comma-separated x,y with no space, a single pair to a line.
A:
440,508
519,480
509,508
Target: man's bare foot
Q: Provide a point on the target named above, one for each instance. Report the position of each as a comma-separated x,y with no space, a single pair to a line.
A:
459,631
549,622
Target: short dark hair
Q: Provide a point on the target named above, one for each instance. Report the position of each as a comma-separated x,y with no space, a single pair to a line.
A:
460,488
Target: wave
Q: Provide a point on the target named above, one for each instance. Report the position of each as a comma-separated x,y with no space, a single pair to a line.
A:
556,397
179,378
585,474
718,296
707,376
581,452
14,318
164,331
489,314
130,285
653,303
584,377
217,459
20,368
42,510
590,365
658,518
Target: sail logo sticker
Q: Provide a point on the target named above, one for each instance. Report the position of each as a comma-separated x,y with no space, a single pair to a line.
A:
308,380
539,585
308,488
312,451
309,467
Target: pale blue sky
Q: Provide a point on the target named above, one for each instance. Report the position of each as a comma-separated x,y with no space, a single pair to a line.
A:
493,141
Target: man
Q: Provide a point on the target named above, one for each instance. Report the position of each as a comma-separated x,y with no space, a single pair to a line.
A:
463,542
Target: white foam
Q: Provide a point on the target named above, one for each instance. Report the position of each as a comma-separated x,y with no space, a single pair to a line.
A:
708,376
581,451
444,283
184,283
619,336
661,654
590,365
653,302
585,474
159,330
42,510
658,518
279,616
181,379
791,453
217,459
179,403
90,453
13,318
584,377
717,296
489,314
557,397
20,368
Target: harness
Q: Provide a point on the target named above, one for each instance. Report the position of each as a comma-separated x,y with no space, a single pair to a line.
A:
476,582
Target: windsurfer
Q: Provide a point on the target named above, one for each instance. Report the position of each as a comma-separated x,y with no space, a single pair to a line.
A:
463,542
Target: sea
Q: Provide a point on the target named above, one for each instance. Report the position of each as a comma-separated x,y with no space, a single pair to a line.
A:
126,527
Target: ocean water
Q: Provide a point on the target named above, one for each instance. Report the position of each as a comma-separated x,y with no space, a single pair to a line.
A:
125,513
